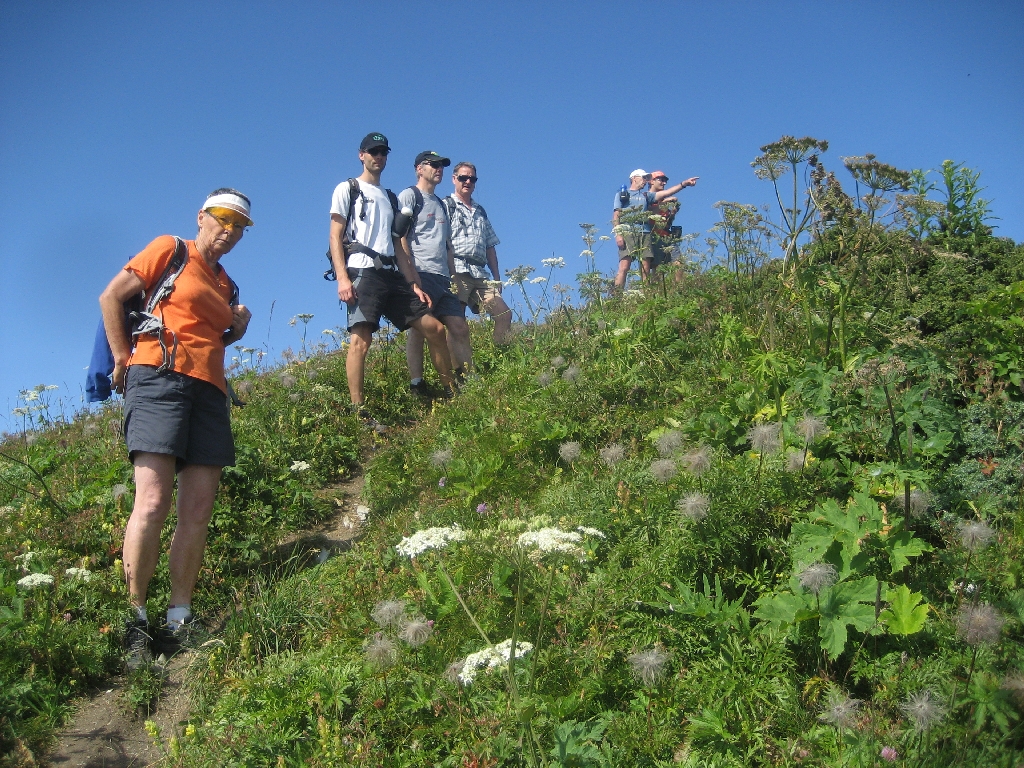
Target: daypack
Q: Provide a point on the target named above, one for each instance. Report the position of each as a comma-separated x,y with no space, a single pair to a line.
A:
379,259
140,319
452,208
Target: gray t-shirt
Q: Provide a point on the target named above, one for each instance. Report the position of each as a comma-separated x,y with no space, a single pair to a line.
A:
429,240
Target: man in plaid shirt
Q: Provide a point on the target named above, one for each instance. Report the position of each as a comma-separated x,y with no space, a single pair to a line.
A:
473,239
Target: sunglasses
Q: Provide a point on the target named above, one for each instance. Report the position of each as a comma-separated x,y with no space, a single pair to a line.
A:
467,178
378,151
661,178
434,163
227,222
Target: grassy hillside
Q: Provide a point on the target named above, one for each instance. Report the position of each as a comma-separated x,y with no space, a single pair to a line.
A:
766,512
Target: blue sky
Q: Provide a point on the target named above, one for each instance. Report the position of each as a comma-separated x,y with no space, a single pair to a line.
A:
116,120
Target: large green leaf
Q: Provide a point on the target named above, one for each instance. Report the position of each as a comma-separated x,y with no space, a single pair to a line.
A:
784,607
906,614
903,545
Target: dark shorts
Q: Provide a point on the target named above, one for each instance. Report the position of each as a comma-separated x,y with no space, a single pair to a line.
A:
662,254
179,415
383,292
439,289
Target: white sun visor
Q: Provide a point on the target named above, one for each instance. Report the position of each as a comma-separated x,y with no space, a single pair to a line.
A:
229,201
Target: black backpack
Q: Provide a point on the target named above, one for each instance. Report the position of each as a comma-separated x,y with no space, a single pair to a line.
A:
354,193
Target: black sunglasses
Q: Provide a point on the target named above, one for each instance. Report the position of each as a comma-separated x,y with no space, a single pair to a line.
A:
661,178
467,178
434,163
378,151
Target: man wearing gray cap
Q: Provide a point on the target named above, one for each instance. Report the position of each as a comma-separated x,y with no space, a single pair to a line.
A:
427,237
375,275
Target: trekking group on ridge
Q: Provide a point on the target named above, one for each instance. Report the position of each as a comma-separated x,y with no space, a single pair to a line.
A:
416,259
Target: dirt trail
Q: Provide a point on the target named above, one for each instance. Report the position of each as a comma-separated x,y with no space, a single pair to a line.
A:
103,735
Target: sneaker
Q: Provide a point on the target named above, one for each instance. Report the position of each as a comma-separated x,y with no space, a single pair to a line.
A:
184,636
367,418
137,639
421,389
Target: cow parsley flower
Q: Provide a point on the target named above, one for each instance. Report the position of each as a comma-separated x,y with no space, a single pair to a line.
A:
569,451
548,541
694,506
558,261
416,631
612,454
35,580
590,531
979,624
430,538
923,709
649,666
669,442
299,466
491,658
388,613
24,560
537,280
663,470
79,574
814,578
976,535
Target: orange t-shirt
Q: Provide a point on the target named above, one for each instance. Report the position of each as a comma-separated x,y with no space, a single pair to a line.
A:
197,310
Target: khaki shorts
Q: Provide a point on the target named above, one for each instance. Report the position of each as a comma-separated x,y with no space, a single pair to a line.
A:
630,251
475,292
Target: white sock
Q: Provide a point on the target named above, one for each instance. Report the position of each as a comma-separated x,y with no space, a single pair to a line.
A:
414,382
177,614
140,613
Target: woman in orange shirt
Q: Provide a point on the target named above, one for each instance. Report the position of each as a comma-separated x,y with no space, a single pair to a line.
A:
176,409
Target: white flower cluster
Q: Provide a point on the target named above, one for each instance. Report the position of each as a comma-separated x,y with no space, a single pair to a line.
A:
24,560
430,538
491,658
537,280
555,541
555,262
79,574
34,580
299,466
590,531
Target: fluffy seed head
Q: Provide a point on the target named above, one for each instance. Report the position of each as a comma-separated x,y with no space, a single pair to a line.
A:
669,442
764,437
694,507
817,577
976,535
663,470
416,631
118,491
810,428
287,380
454,672
979,624
545,378
698,461
380,651
840,710
923,709
557,361
612,454
571,373
569,452
919,502
388,613
441,457
1014,684
649,666
794,461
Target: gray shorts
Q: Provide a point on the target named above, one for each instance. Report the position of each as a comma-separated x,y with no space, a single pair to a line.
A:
439,289
179,415
383,292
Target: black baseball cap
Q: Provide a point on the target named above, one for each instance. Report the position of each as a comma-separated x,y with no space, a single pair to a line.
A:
372,140
431,157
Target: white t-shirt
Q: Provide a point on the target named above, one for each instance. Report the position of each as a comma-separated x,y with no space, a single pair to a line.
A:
372,220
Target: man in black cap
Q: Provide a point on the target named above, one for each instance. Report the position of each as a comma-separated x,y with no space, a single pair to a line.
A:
428,241
375,274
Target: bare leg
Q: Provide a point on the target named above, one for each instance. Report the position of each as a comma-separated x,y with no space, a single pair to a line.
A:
646,265
434,333
355,361
414,353
502,315
154,480
620,278
197,488
458,342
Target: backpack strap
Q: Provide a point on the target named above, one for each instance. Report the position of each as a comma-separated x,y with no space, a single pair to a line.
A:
145,321
353,194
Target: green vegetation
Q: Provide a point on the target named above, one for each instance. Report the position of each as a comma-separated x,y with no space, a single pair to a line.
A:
762,513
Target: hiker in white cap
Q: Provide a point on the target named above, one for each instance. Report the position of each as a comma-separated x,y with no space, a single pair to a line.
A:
634,242
177,421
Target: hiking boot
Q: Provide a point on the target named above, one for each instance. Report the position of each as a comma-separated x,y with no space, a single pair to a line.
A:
137,639
421,389
171,639
367,418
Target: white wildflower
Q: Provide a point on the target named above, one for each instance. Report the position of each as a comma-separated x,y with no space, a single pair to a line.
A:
491,658
79,574
299,466
34,580
590,531
429,538
555,262
24,561
537,280
552,541
622,332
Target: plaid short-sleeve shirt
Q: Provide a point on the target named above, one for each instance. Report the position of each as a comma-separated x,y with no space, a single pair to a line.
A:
472,235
